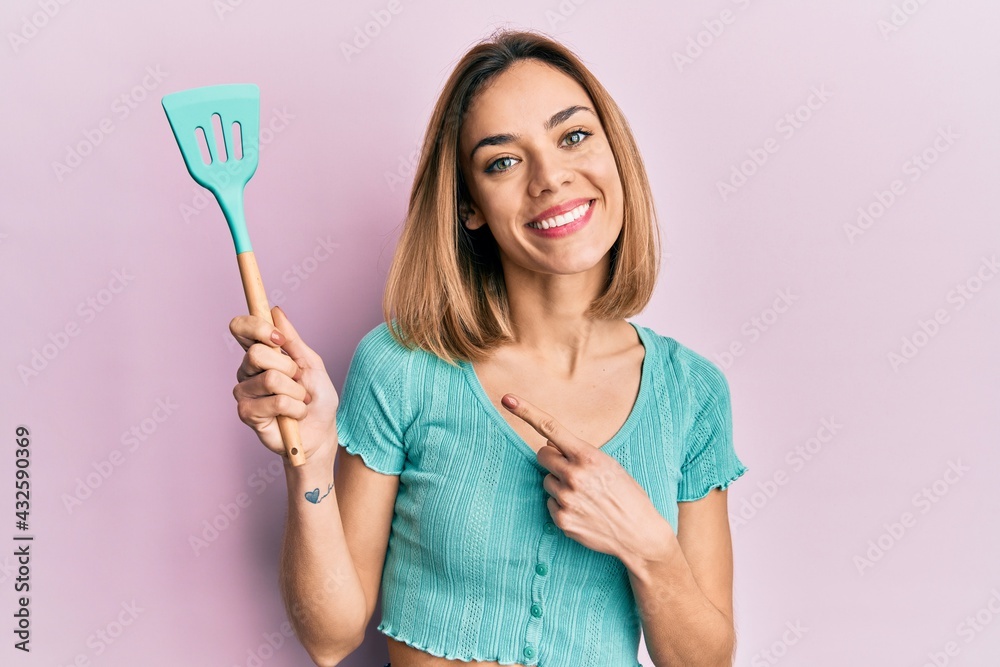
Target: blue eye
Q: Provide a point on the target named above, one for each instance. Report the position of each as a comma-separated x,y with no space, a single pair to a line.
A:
496,168
583,132
490,169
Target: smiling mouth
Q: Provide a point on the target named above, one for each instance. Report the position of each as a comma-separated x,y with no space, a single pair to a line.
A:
563,219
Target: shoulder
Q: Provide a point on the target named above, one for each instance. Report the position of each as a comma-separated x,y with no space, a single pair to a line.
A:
381,357
691,370
379,345
379,376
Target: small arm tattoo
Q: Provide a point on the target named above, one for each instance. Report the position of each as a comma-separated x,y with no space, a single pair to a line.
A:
314,497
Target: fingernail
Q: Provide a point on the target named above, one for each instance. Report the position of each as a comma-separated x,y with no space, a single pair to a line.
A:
509,402
277,337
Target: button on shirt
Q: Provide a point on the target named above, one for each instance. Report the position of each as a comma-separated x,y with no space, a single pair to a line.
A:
475,567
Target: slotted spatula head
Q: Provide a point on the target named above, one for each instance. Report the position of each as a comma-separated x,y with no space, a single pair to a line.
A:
233,158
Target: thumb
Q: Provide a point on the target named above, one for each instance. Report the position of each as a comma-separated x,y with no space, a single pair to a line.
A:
300,353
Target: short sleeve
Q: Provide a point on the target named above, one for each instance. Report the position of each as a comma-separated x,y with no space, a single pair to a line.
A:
710,460
371,415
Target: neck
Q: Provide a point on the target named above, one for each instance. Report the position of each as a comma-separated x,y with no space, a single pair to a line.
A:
548,316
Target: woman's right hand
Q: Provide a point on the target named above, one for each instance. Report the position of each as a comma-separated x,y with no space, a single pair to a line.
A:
295,384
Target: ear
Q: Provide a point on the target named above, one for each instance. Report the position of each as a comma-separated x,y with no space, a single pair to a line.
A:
470,216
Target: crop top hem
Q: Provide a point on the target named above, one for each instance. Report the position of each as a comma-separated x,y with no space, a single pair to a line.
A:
383,627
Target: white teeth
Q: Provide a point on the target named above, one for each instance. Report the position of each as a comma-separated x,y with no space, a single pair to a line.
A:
560,220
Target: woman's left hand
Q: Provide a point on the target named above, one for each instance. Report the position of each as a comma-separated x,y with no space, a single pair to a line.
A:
593,498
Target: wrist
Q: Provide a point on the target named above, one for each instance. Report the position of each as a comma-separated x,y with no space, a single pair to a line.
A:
321,459
659,550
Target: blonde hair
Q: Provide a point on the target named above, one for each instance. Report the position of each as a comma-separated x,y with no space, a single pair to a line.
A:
445,290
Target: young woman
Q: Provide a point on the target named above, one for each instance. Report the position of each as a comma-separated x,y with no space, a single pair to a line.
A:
531,478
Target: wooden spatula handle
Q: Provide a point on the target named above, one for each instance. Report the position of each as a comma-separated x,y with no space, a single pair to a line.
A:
253,287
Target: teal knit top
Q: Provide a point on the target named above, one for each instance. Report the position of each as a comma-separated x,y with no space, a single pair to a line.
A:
475,567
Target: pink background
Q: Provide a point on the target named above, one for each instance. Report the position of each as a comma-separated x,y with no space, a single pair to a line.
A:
335,173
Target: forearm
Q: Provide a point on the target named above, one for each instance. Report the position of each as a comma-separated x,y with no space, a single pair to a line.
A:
680,625
319,582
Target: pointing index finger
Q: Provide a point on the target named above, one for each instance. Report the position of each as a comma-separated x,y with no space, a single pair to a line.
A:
542,422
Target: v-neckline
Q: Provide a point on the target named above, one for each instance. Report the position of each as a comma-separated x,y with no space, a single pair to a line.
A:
621,436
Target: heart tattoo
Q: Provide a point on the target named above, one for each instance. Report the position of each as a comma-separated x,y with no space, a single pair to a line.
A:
314,497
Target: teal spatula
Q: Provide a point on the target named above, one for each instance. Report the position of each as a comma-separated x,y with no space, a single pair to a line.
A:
232,161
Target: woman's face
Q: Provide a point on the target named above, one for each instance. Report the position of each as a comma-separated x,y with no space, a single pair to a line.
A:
531,142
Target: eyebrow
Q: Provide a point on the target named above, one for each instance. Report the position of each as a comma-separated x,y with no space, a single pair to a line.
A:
501,139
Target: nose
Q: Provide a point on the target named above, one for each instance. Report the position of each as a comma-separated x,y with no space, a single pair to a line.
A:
550,172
